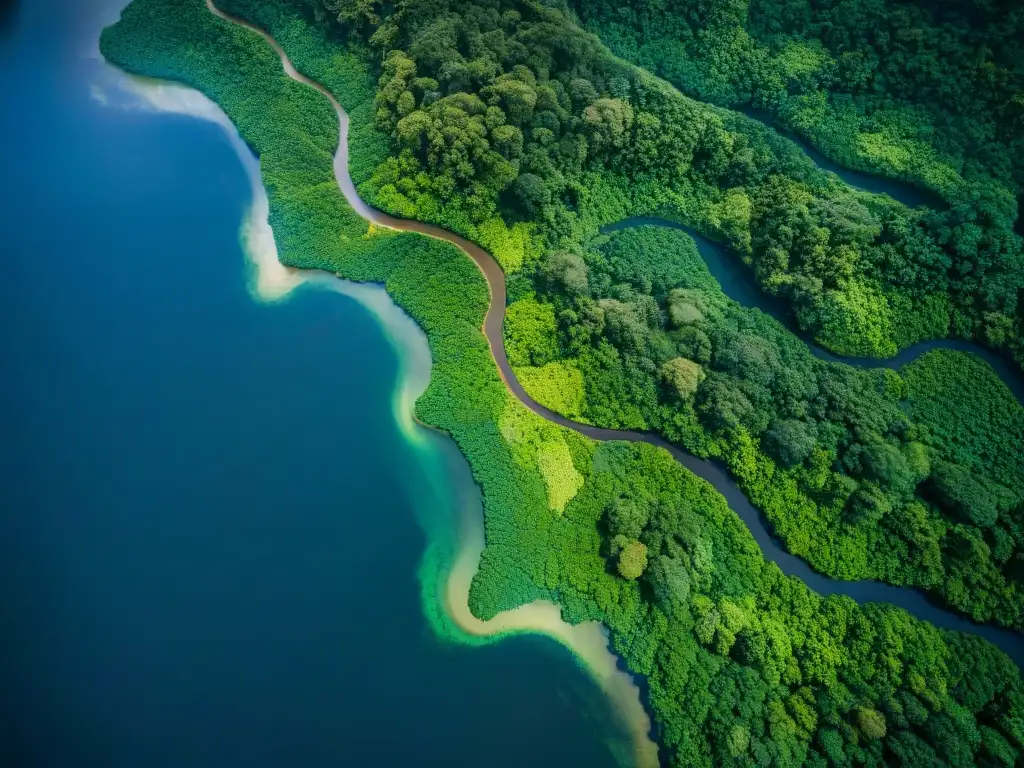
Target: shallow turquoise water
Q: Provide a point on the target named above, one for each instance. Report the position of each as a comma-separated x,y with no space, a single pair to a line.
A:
208,515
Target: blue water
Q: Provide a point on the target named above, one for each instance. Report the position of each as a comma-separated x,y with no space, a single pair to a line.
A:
905,192
208,547
738,283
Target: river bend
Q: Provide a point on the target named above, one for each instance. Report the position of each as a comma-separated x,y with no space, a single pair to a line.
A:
912,600
737,282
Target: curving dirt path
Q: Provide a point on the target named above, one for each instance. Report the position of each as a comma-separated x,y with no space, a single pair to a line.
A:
912,600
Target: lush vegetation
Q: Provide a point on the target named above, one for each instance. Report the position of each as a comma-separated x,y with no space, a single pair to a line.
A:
514,126
743,663
517,128
929,92
932,93
864,473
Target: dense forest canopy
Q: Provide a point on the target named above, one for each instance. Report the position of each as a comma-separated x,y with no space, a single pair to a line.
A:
912,478
931,92
506,121
508,118
910,88
509,111
515,126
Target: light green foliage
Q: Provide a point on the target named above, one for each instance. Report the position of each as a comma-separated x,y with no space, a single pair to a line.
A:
530,333
511,246
731,217
682,376
855,320
877,148
560,476
739,741
558,385
632,560
871,723
800,61
538,445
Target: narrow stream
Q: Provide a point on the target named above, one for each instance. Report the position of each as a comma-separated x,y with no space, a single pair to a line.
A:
911,600
738,284
910,195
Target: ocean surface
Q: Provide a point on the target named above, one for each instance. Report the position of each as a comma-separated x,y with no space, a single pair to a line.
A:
211,521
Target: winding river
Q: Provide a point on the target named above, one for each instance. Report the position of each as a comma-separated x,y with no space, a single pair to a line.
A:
196,485
904,192
911,600
738,284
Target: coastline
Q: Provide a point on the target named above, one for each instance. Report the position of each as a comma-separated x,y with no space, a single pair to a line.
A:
269,281
405,394
916,601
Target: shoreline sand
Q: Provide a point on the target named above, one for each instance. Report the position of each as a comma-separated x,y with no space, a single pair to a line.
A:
270,281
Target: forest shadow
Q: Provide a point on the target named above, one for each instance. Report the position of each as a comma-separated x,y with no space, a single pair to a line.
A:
8,14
